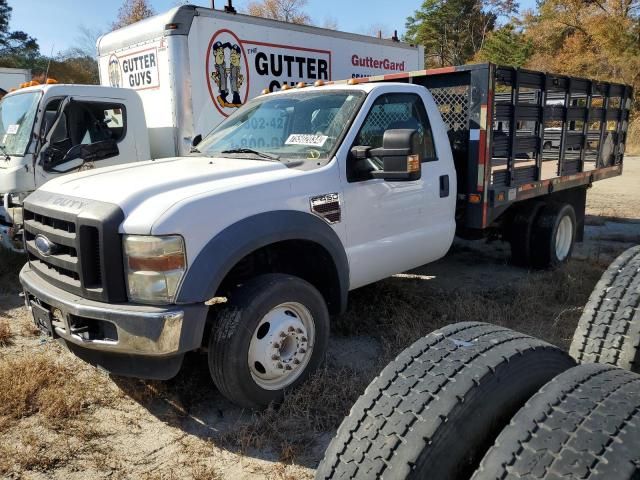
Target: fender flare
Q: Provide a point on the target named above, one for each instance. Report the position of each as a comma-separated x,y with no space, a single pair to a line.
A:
216,259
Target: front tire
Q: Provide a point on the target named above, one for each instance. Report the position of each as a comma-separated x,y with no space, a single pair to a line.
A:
268,338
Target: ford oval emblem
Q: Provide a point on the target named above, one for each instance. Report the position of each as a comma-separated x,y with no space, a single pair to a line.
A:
45,246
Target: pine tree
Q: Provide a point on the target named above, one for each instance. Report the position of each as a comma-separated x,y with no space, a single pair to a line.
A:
16,47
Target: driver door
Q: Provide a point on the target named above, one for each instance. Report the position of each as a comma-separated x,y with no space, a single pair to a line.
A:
68,124
393,226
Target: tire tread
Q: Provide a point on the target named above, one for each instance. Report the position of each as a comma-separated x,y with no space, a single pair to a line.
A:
432,375
572,428
609,329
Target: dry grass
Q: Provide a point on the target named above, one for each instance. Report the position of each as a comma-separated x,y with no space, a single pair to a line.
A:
318,406
29,329
40,384
6,335
36,447
633,138
544,304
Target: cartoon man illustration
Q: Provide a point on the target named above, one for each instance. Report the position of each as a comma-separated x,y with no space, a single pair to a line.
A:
219,75
115,78
236,76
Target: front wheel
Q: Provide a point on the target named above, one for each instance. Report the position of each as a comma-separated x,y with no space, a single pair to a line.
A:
268,338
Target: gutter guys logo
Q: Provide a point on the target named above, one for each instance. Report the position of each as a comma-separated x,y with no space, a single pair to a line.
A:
227,71
137,70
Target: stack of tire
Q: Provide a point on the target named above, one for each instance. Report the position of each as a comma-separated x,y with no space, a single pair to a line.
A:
474,400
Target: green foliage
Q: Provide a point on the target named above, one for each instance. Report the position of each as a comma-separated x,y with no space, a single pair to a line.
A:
506,46
452,31
16,48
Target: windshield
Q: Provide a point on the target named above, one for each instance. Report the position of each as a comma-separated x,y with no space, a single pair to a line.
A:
299,125
17,113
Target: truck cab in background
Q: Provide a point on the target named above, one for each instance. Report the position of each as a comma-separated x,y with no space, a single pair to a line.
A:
53,129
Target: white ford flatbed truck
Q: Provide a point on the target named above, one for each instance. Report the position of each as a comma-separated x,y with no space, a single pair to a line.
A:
245,248
164,81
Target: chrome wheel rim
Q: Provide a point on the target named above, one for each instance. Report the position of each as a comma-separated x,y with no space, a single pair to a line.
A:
564,238
281,346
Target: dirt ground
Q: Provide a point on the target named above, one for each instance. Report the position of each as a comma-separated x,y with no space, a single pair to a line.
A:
62,419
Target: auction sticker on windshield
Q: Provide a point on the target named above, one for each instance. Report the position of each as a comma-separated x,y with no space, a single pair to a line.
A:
13,129
308,140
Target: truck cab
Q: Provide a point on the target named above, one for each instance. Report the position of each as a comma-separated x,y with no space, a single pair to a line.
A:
54,129
299,197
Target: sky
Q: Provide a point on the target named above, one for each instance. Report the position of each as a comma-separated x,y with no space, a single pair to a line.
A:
56,23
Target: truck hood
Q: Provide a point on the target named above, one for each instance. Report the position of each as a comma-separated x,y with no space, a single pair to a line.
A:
157,185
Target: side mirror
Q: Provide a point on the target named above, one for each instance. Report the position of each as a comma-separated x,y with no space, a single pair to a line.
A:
196,140
67,165
54,161
399,154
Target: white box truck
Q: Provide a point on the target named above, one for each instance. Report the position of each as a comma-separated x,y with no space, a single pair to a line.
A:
12,77
166,80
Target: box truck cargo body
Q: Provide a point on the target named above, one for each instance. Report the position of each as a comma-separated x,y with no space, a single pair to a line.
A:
193,67
12,77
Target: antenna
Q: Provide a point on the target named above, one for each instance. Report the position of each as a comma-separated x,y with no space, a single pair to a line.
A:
46,74
229,7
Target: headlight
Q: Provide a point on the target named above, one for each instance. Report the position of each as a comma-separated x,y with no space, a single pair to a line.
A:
155,266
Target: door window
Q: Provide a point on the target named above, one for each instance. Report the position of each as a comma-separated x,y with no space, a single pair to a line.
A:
391,111
81,123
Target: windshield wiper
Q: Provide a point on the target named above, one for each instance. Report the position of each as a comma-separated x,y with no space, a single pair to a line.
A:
252,152
7,157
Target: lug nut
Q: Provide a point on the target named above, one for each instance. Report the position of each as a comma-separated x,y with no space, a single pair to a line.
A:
283,334
288,367
304,339
298,330
279,365
291,329
276,345
275,357
302,350
296,361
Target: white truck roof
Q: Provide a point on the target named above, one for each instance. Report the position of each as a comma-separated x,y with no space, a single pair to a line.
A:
99,91
180,18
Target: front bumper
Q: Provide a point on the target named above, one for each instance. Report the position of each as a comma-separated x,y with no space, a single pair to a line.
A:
118,337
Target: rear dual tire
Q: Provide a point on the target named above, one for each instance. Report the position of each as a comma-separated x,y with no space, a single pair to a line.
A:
542,235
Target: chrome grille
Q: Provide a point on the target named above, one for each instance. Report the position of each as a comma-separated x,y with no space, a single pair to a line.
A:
63,264
81,251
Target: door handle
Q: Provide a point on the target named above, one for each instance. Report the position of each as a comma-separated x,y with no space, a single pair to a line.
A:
444,186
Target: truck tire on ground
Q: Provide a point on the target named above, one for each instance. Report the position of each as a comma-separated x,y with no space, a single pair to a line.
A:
435,410
609,329
585,423
520,231
268,338
553,235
